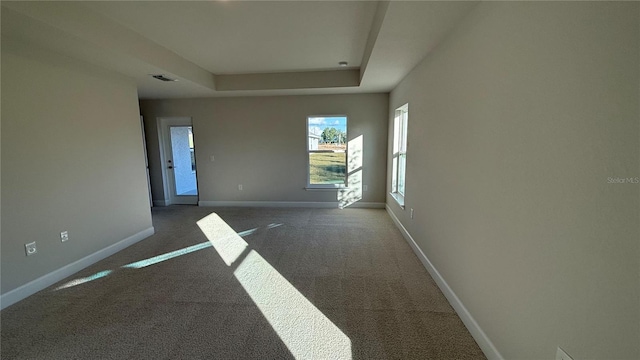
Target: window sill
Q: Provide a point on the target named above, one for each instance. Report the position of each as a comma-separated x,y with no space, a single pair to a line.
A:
325,188
399,199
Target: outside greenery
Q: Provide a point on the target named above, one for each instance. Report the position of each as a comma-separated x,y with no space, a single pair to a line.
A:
333,136
327,168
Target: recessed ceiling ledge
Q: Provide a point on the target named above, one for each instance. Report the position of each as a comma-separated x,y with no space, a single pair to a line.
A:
84,25
289,80
378,19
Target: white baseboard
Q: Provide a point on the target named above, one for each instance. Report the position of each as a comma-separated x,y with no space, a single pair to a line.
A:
269,204
489,350
159,203
32,287
289,204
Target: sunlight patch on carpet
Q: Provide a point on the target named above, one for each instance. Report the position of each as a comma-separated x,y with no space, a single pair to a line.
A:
164,257
305,330
81,281
224,239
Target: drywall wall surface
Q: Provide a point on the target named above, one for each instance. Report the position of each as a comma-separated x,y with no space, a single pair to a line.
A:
72,160
523,166
260,142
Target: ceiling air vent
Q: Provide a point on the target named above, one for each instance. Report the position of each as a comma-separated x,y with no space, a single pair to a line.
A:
163,78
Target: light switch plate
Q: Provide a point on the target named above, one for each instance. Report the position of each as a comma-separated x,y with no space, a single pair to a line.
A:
64,236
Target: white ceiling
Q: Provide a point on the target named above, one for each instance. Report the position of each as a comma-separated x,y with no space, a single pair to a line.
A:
231,48
241,37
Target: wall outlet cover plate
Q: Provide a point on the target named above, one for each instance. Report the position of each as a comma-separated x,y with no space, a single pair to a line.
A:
30,248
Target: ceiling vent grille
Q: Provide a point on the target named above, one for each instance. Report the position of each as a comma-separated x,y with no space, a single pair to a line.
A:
163,78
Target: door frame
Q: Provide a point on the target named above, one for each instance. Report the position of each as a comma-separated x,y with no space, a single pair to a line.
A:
146,160
168,181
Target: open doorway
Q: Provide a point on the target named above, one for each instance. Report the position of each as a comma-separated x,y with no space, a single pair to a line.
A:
178,158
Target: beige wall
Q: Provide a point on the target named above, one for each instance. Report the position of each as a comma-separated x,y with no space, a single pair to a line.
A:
72,159
260,142
516,122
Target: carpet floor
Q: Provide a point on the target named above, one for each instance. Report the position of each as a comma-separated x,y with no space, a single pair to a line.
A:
246,283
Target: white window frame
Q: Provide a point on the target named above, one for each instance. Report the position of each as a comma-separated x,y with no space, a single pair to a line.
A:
346,151
400,125
192,150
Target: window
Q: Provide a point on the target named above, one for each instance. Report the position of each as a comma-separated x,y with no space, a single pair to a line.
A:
326,150
399,153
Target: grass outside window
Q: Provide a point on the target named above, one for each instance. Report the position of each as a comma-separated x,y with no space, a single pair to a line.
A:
327,168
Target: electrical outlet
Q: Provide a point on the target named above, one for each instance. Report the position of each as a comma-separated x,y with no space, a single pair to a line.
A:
365,188
30,248
64,236
212,158
562,355
412,213
240,187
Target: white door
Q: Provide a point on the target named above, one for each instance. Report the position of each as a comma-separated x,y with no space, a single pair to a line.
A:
178,147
